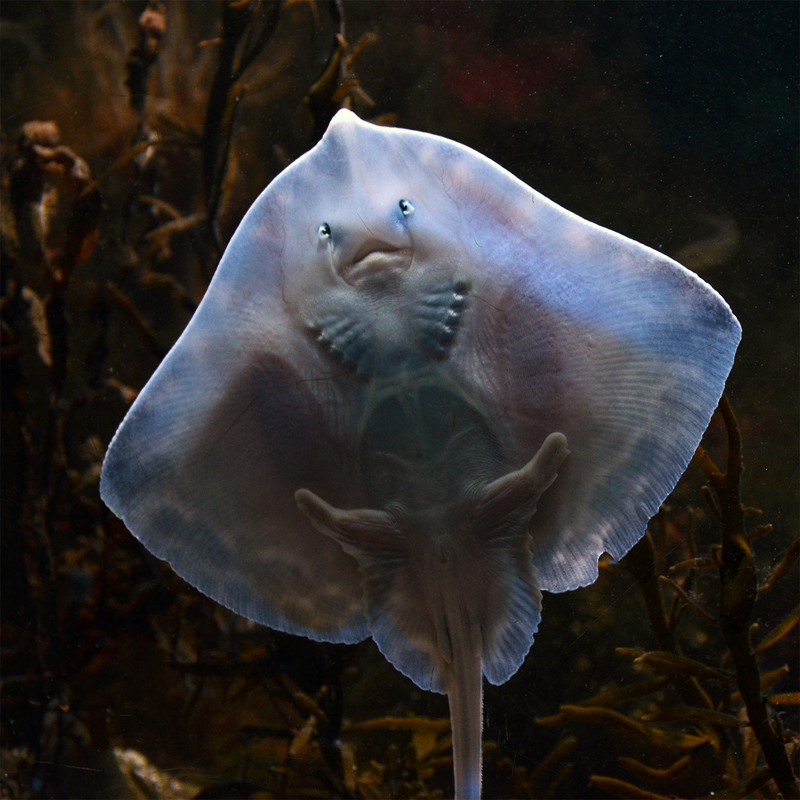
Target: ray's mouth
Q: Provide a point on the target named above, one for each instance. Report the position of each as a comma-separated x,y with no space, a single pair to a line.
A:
375,261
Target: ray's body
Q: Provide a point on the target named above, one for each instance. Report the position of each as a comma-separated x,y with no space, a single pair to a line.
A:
353,433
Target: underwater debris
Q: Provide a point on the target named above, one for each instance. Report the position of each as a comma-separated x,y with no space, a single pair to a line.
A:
714,250
152,28
144,780
38,317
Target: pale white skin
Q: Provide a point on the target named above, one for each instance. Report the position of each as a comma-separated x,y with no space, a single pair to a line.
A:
352,435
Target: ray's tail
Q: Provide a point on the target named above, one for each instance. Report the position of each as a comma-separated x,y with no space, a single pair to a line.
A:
465,693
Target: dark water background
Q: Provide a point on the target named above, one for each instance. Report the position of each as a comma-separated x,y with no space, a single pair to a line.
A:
673,123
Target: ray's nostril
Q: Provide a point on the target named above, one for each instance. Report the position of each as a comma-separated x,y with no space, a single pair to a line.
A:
406,208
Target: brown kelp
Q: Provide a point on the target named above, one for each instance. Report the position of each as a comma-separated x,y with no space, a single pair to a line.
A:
688,719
